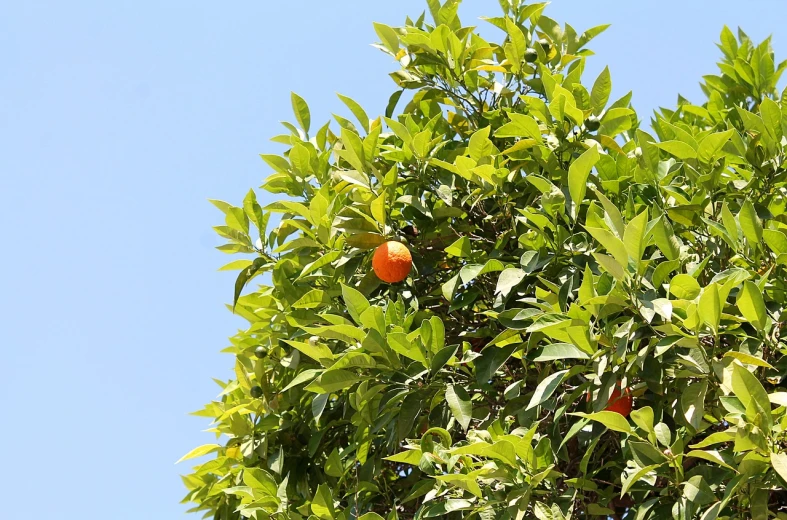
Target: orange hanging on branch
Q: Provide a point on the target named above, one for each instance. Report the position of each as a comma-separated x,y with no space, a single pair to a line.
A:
620,403
392,262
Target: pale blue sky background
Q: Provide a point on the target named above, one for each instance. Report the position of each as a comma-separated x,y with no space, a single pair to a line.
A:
117,121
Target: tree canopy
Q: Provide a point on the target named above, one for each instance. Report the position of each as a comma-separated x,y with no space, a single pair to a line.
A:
591,326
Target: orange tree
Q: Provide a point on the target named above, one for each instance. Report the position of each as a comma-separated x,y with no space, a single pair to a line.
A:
563,257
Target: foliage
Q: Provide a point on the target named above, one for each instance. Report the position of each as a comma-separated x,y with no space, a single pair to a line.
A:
559,250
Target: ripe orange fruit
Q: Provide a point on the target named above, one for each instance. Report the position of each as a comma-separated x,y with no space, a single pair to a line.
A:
392,262
620,403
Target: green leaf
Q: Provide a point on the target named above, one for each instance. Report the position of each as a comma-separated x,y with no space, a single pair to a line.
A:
480,146
357,111
353,154
710,456
779,398
501,450
730,224
712,513
311,300
665,238
758,503
613,214
436,340
546,388
449,288
611,265
400,344
241,374
333,381
662,270
559,351
692,400
612,244
729,44
750,223
409,411
772,117
371,516
684,287
637,475
322,503
301,110
253,210
343,332
712,144
521,125
306,375
643,417
697,491
460,248
462,481
235,265
353,359
460,405
517,39
612,420
779,463
278,163
355,301
752,395
714,438
321,262
407,457
235,217
333,465
679,149
388,36
317,351
634,237
470,272
441,358
599,95
747,359
776,240
710,307
752,122
752,306
663,434
578,174
615,121
491,359
509,278
365,240
288,206
199,452
243,278
356,177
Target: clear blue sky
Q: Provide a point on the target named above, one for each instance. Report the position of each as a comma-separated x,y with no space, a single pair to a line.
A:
118,120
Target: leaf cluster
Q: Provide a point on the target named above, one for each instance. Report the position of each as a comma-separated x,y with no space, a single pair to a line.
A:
560,251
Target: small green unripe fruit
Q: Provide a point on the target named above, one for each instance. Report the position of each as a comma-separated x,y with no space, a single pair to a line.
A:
256,392
314,340
531,55
545,44
592,123
260,352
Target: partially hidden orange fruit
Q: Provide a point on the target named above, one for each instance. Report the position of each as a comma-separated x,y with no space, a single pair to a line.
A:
392,262
620,403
